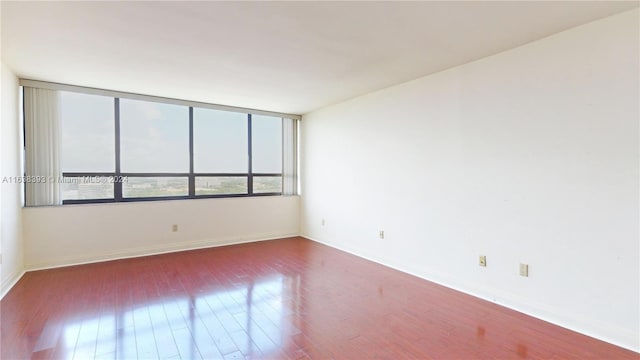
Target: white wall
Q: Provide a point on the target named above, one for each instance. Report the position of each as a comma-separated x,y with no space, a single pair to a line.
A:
527,156
10,193
71,234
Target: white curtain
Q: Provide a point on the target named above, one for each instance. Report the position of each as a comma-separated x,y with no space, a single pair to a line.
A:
289,157
42,142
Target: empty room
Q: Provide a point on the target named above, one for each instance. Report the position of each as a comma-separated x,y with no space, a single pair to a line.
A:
320,180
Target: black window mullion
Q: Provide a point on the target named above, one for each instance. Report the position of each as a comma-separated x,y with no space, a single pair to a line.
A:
250,174
191,175
192,178
117,186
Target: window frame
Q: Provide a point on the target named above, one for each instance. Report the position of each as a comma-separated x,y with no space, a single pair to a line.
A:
191,175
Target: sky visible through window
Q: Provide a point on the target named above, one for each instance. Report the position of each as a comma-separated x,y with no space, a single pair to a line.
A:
267,144
154,138
220,141
88,133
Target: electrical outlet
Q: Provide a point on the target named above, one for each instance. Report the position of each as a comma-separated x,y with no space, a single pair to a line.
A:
174,228
381,234
322,222
483,260
524,270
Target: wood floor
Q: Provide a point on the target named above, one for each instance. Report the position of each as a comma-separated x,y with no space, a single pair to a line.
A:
281,299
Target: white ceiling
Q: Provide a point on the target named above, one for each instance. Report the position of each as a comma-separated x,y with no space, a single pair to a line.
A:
289,57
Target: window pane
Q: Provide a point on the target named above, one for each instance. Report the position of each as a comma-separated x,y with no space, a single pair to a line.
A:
155,186
210,185
154,137
220,141
87,187
87,133
267,184
266,134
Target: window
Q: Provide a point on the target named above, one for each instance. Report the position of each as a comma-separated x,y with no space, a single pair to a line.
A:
147,187
154,137
154,142
221,185
221,153
88,140
111,147
220,141
267,184
266,139
87,144
267,144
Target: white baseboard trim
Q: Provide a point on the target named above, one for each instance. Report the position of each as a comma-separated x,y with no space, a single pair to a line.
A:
10,282
152,250
623,335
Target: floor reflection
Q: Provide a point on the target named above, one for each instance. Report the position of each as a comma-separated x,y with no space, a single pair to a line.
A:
247,319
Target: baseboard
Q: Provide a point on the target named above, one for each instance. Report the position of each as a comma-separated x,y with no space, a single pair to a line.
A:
153,250
500,300
10,282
